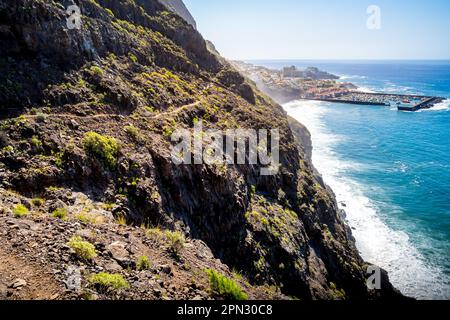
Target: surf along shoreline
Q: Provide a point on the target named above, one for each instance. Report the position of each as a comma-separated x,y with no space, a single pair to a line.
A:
287,94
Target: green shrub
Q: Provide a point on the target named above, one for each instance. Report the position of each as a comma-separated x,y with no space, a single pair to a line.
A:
58,158
96,70
41,117
121,220
36,142
167,131
83,249
150,109
109,12
38,202
225,288
337,294
20,211
133,132
21,120
60,213
111,56
143,263
154,234
104,282
8,149
53,189
108,206
85,217
176,241
104,147
133,57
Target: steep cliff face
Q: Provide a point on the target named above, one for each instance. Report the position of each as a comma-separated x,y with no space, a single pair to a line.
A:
180,8
86,121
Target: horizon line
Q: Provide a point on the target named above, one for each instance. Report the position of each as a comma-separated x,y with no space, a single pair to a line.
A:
334,59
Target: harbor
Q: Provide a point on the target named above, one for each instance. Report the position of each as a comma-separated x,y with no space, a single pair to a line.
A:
313,84
401,101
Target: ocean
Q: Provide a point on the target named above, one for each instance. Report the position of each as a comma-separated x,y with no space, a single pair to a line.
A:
390,170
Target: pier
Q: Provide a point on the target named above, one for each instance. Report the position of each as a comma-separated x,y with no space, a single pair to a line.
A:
403,102
427,104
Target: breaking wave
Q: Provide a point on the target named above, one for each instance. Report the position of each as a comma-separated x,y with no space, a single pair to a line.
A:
377,242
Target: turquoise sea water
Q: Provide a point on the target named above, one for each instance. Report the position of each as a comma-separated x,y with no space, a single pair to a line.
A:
390,170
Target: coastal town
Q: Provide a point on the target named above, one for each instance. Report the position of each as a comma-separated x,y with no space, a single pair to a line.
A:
289,84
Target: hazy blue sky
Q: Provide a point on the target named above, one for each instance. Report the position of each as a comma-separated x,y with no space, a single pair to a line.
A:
324,29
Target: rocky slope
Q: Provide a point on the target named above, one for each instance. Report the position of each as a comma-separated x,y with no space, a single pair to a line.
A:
86,116
180,8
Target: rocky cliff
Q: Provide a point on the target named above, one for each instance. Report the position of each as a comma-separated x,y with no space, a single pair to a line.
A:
88,187
180,8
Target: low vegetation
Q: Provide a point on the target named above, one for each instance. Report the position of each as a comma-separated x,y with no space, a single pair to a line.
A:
337,294
104,282
224,287
96,70
176,241
121,220
38,202
143,263
154,234
133,132
83,249
20,211
60,213
86,217
103,147
36,142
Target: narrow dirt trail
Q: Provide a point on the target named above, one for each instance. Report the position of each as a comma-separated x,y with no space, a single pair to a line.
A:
24,279
21,279
108,115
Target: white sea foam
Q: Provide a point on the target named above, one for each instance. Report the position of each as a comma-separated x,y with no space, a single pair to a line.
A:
377,242
348,77
391,87
443,106
365,89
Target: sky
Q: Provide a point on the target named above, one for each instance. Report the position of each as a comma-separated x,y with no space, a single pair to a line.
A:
325,29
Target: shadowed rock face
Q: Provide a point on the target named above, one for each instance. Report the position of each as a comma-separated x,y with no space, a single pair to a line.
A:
180,8
134,73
